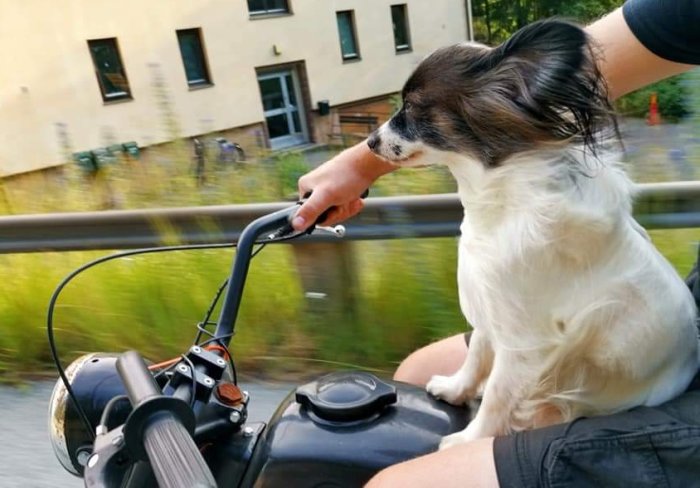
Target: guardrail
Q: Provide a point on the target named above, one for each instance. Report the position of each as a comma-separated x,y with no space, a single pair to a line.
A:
658,205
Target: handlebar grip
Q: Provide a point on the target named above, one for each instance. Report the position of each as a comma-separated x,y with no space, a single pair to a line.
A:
174,457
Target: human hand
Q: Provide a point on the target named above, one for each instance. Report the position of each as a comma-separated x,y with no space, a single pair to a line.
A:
336,186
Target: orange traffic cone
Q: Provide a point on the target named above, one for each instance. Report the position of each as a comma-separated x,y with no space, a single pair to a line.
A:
654,117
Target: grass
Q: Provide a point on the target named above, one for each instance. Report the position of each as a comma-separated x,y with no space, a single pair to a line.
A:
407,297
401,294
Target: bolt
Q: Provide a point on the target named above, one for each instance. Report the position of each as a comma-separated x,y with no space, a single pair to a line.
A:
248,432
183,368
196,349
235,417
221,362
208,381
83,456
93,460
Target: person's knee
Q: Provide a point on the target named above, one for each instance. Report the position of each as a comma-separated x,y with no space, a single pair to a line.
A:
470,464
443,357
384,479
409,371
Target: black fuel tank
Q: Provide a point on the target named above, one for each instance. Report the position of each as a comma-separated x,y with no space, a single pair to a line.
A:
341,429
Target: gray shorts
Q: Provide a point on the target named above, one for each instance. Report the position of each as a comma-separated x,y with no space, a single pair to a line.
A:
644,447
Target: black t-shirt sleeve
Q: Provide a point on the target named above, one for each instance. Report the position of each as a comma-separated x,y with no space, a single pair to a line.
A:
668,28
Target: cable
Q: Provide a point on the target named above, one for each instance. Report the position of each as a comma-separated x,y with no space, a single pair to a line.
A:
68,279
103,259
104,418
194,379
210,310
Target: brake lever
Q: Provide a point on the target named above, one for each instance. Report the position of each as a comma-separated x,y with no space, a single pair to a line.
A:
288,231
336,230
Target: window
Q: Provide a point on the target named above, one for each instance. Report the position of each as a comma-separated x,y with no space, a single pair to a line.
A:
109,69
193,57
346,29
402,36
263,7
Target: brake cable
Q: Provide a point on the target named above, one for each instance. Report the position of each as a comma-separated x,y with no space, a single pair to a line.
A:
150,250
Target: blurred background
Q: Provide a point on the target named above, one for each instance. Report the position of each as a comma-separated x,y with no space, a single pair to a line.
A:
173,103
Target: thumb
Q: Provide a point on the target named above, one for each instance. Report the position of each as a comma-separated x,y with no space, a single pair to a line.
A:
309,211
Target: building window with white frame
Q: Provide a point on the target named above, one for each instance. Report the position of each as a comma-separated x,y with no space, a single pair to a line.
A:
402,35
193,57
348,38
109,69
268,7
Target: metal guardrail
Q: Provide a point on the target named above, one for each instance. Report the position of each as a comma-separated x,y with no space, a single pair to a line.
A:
658,205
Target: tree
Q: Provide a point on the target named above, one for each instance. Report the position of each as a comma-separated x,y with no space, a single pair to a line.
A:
495,20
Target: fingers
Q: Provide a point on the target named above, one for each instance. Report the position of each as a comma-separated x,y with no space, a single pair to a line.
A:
343,212
310,211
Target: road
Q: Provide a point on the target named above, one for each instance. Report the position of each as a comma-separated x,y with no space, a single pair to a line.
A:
26,456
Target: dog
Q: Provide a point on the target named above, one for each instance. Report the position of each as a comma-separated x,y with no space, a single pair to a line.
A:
574,312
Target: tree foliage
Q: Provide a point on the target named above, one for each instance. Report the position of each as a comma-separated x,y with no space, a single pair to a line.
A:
495,20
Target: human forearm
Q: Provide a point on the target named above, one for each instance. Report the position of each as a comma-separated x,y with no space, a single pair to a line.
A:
338,184
624,61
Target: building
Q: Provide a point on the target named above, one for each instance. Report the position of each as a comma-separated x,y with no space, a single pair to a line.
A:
78,75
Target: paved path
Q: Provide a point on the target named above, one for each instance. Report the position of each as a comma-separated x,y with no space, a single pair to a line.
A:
26,456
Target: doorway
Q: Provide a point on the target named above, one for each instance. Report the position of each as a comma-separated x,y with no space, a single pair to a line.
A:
283,108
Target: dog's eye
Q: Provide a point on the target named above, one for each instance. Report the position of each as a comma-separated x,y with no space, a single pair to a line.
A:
407,106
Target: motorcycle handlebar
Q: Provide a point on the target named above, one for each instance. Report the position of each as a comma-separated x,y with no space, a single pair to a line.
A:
156,429
174,457
232,300
279,221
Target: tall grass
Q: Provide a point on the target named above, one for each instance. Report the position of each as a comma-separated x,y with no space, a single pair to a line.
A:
404,293
407,297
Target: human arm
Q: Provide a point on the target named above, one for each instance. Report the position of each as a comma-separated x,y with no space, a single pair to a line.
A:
338,184
625,63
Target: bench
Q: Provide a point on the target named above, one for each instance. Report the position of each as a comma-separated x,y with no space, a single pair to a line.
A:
353,128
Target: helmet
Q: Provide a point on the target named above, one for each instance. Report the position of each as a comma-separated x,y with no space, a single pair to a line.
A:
94,380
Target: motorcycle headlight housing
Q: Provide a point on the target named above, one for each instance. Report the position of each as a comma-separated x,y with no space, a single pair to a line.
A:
94,380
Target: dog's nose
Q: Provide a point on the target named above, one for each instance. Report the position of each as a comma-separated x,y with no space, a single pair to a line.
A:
373,141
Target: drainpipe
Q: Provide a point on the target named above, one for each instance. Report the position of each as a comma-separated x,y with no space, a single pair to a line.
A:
470,25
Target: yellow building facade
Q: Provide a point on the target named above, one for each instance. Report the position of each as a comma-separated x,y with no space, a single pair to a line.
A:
76,75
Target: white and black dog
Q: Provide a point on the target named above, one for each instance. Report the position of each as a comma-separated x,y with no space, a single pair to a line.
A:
574,311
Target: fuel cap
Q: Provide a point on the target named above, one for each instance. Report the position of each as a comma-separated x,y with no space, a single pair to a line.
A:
346,396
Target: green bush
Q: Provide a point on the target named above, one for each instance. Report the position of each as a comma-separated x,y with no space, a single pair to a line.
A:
289,167
673,99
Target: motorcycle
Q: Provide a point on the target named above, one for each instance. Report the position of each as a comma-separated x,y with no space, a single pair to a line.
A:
117,421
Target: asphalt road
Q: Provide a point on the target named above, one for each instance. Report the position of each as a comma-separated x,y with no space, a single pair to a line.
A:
26,457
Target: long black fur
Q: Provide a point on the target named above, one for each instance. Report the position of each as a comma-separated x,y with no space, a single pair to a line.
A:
540,86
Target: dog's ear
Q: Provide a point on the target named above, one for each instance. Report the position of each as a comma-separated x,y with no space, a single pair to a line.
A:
548,54
549,69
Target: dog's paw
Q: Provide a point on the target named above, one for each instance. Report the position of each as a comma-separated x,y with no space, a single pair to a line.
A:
447,388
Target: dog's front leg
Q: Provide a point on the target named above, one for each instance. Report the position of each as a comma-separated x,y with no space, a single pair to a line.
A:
462,385
501,395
